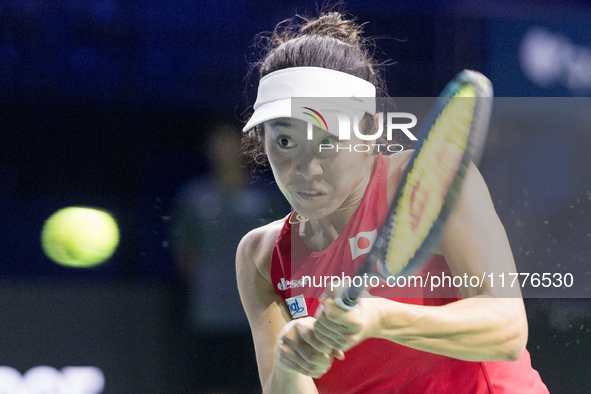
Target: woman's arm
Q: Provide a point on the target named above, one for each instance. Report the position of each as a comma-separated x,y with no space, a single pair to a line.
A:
490,326
285,358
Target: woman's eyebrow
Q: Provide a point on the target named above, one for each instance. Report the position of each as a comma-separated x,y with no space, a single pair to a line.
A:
279,123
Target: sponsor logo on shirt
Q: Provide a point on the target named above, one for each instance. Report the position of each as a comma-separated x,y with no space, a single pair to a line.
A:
361,243
297,306
292,284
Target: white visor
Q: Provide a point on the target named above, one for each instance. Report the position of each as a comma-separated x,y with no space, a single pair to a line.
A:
278,88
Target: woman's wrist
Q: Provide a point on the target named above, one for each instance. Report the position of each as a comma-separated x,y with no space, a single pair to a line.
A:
375,310
388,318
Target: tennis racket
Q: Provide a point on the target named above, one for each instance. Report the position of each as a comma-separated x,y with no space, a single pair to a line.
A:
452,137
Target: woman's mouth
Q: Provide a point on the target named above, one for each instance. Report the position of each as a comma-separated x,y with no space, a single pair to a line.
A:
310,194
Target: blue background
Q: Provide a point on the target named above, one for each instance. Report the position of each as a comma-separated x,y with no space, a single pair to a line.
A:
107,103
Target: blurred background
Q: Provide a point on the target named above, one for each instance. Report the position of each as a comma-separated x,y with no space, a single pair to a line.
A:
133,106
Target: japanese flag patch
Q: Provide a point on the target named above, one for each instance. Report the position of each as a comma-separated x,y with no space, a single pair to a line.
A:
361,243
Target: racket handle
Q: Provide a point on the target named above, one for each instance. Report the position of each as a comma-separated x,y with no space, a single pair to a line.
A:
349,297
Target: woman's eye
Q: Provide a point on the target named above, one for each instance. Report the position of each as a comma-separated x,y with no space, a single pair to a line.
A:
284,142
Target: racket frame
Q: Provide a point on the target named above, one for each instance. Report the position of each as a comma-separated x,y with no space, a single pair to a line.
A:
373,263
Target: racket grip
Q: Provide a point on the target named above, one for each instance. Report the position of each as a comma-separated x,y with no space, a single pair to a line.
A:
349,297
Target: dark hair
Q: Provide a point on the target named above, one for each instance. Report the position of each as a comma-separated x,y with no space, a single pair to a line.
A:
331,41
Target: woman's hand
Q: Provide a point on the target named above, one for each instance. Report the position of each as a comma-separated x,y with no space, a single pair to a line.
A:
299,350
341,329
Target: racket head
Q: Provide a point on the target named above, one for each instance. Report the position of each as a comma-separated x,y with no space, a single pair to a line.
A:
450,140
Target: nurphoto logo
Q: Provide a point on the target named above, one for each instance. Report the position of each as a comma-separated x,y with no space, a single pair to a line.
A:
347,122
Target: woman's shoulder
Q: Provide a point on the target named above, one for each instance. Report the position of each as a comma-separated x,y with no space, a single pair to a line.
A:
399,160
397,165
256,247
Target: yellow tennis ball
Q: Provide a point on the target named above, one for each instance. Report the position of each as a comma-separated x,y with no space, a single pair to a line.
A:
80,237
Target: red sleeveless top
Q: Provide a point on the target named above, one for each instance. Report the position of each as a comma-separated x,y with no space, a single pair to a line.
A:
379,365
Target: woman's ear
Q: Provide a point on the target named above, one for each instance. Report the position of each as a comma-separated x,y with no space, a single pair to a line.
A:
376,121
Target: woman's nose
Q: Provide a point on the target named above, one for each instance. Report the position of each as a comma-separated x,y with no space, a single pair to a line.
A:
308,166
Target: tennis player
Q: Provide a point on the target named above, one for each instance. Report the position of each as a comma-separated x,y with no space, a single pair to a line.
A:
466,341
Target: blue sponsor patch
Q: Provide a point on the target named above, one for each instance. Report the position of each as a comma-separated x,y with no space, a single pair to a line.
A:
297,306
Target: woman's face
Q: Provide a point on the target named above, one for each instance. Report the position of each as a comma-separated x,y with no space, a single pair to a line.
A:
315,179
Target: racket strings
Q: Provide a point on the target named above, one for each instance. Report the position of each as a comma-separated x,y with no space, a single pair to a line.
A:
430,179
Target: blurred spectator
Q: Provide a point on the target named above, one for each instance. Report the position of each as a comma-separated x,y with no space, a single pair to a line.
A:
211,215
